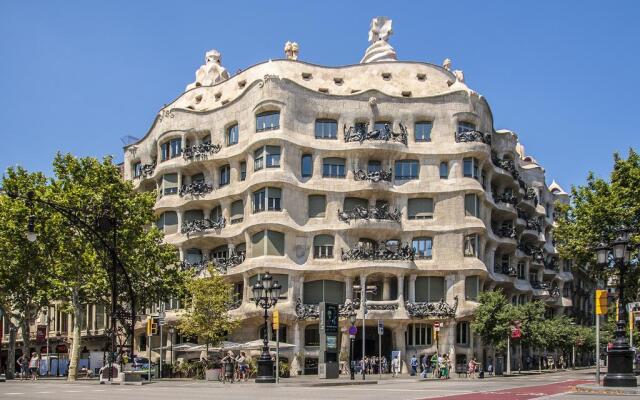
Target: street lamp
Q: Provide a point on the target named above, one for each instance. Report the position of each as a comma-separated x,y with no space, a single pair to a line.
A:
265,294
171,332
352,337
620,356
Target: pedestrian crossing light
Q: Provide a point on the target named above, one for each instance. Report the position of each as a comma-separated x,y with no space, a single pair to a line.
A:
152,326
601,302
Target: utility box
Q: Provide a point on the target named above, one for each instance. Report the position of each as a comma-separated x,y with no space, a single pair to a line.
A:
328,363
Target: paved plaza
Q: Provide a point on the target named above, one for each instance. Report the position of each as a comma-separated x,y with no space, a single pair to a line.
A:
557,385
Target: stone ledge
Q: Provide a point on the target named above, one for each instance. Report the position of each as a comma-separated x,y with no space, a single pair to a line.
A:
597,389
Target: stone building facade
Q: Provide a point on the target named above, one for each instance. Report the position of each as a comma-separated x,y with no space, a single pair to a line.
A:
387,175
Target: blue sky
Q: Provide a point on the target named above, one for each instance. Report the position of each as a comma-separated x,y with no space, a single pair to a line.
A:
76,76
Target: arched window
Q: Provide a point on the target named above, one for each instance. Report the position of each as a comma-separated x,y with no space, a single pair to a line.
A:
232,135
237,212
306,165
323,290
323,246
312,335
267,121
269,243
193,256
444,170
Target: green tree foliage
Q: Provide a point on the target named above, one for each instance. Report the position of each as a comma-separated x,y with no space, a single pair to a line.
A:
493,318
24,275
596,211
206,315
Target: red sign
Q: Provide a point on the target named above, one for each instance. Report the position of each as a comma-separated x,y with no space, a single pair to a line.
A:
41,334
516,333
436,324
61,348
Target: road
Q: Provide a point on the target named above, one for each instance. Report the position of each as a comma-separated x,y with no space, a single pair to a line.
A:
557,386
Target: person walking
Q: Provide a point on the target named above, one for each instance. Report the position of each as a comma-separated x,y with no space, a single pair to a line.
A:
471,368
434,366
414,365
395,366
228,363
384,365
23,366
34,366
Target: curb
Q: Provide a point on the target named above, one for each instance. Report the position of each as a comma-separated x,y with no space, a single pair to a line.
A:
596,389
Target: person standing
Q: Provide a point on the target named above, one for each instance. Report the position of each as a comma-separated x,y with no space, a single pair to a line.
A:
34,366
434,365
384,365
23,366
395,366
414,365
242,363
471,368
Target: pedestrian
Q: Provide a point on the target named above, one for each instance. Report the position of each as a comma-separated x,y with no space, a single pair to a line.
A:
34,366
228,363
471,368
414,365
23,366
424,363
490,366
384,365
395,366
561,362
434,365
241,360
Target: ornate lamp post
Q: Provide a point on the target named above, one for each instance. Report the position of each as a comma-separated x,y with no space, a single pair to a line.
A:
265,294
620,356
172,331
352,337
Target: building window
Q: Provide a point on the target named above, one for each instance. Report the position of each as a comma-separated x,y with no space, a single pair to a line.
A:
258,159
225,175
472,205
471,245
268,198
268,121
466,127
312,335
423,131
306,165
350,203
273,156
380,125
269,243
232,135
219,253
374,166
521,270
237,212
171,149
429,289
243,170
169,184
419,335
420,208
333,167
444,170
137,169
471,169
142,343
100,313
168,222
326,129
323,290
323,246
462,333
423,247
407,169
317,205
471,287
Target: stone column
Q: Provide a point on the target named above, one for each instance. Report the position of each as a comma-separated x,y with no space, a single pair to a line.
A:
317,164
348,288
412,288
301,288
399,344
401,289
295,365
386,290
180,215
245,287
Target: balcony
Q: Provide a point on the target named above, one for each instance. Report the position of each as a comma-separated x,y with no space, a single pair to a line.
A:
312,311
505,269
507,165
198,188
146,170
220,264
530,194
373,176
506,198
473,136
540,285
534,224
231,261
506,231
534,252
391,250
552,264
200,225
372,213
199,151
361,133
440,309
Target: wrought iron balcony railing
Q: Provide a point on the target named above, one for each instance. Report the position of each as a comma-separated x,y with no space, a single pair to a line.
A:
197,188
383,252
533,224
506,231
198,266
219,264
146,170
361,133
530,194
440,309
200,150
554,292
312,311
540,285
473,136
505,269
378,213
200,225
506,197
373,176
552,264
534,252
507,165
231,261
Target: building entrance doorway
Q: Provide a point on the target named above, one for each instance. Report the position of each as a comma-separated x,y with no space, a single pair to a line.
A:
371,343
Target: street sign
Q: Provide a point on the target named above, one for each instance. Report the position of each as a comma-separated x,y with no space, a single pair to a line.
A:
276,320
353,330
380,327
436,326
601,302
161,316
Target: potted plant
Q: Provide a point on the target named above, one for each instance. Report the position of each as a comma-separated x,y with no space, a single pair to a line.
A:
283,368
299,362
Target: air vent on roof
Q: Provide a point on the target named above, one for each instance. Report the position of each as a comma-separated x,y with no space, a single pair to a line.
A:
386,76
242,83
338,81
421,77
306,76
218,95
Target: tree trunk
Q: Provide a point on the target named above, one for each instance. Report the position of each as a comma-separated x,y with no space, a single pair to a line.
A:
11,351
26,337
75,343
540,360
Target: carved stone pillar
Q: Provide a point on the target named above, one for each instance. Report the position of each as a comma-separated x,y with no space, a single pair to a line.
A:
348,288
401,289
245,287
301,288
412,288
386,290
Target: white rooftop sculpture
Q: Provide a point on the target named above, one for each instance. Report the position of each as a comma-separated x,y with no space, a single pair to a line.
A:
291,50
380,49
211,72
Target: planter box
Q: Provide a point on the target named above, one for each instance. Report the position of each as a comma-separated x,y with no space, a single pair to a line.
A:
212,374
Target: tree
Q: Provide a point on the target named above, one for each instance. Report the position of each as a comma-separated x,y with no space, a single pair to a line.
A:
206,315
596,211
24,277
493,318
531,317
106,212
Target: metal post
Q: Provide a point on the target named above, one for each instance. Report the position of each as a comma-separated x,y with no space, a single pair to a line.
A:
149,354
509,355
160,363
48,349
351,366
278,355
379,355
363,294
598,349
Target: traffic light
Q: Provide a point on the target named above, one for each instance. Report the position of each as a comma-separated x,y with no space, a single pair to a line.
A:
152,326
601,302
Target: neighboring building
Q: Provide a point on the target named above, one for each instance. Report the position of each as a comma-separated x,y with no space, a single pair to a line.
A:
386,173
